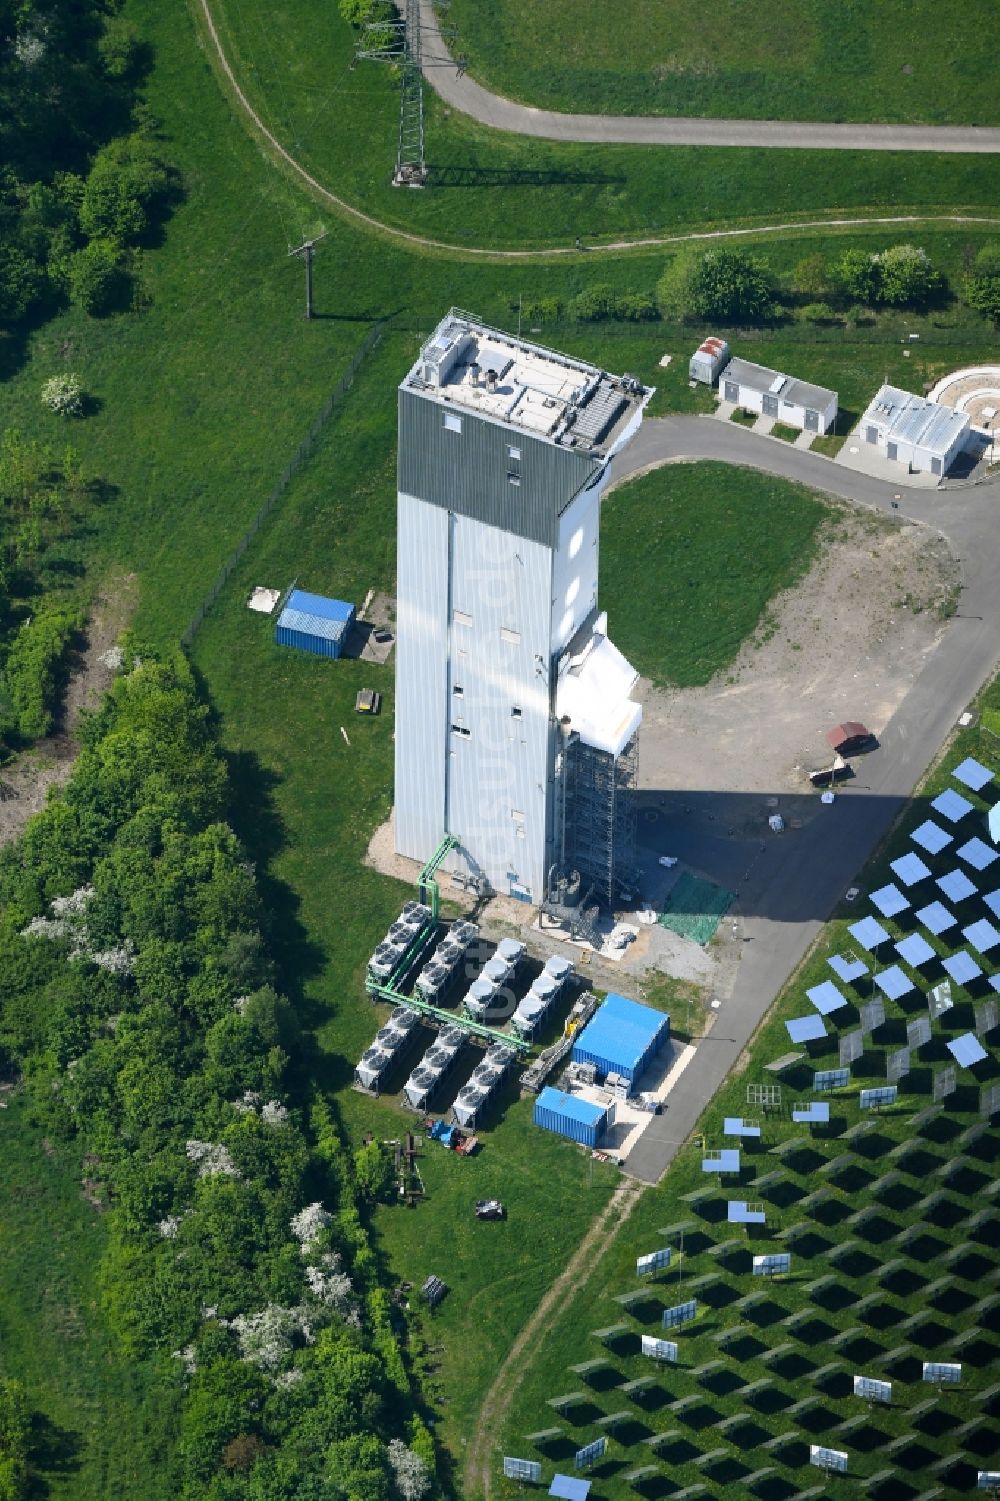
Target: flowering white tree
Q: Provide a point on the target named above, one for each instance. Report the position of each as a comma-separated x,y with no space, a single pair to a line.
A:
29,49
248,1103
266,1338
211,1157
63,394
331,1286
273,1113
308,1225
413,1478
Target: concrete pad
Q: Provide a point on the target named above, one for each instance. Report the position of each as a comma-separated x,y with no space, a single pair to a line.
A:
724,410
804,440
763,425
864,458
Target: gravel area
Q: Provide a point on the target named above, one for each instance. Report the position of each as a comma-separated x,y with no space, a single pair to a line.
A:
845,643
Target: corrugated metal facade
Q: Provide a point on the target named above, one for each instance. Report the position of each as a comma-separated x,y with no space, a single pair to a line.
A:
422,605
469,471
568,1115
472,699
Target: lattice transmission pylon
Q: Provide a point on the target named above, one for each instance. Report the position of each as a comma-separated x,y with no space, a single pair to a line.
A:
399,43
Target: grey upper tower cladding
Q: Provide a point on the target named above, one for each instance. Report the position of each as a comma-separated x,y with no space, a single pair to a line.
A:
504,664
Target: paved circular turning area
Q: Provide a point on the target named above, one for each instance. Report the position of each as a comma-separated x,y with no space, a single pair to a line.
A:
975,390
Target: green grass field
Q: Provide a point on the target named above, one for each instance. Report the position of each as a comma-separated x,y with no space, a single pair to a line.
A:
202,400
892,1226
490,189
705,582
794,60
101,1426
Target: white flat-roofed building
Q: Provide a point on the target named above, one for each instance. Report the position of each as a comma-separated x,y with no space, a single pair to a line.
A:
513,709
915,432
800,404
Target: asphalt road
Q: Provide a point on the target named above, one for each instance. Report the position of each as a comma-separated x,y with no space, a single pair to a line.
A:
819,861
463,93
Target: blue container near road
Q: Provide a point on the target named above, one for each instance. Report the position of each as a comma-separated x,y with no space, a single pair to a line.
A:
313,623
622,1037
568,1115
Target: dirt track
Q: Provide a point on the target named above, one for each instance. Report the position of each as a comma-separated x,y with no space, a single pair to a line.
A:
48,764
576,1273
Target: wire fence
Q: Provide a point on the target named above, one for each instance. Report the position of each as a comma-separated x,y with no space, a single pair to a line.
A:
305,448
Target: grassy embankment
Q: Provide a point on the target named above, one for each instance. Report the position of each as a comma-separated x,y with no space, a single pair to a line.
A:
487,188
795,60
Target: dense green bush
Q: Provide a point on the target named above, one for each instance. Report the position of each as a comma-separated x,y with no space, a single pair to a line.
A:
124,185
73,167
599,302
726,287
98,278
14,1434
902,276
982,285
35,667
138,1002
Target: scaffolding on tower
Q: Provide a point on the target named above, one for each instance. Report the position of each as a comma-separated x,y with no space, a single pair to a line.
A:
399,43
600,815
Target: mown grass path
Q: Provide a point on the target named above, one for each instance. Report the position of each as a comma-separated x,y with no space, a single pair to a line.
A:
581,1266
427,243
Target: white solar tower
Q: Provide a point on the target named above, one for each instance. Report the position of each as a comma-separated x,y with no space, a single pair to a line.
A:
516,730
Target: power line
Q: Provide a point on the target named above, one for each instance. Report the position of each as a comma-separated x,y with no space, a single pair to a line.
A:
306,251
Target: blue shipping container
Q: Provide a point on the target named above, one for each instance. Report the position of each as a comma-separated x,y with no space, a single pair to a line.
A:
568,1115
622,1037
313,623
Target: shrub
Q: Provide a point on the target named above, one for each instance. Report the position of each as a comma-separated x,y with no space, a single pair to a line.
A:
857,275
602,301
725,285
122,187
818,312
63,394
98,279
907,277
810,277
982,286
21,283
33,670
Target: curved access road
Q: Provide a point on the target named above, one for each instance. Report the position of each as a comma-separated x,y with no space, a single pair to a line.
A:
781,907
463,93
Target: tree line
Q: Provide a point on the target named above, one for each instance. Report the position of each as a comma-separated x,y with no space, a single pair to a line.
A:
82,177
733,287
140,1009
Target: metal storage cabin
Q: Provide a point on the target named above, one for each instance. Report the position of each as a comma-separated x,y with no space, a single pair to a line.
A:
312,623
755,388
569,1115
709,360
622,1037
913,431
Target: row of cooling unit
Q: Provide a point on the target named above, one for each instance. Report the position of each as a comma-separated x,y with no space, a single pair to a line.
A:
488,993
434,1067
399,940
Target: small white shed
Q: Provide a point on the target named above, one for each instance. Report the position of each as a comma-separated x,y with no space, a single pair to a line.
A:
915,432
755,388
709,360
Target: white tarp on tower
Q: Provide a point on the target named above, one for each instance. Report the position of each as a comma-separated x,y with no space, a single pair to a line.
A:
593,693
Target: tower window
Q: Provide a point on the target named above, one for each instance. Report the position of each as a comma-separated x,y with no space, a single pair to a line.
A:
506,634
458,690
513,479
515,713
463,730
512,452
452,422
460,617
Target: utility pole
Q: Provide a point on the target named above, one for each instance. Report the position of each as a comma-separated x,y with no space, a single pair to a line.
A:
306,251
